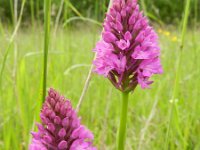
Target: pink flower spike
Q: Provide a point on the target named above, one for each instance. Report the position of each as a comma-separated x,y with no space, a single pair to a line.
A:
128,35
56,132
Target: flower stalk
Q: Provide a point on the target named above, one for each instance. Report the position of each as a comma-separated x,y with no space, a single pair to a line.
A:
128,54
123,121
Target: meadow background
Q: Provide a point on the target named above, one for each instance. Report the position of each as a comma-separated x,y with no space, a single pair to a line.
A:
165,117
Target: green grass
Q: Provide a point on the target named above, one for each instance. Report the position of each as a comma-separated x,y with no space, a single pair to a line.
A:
148,109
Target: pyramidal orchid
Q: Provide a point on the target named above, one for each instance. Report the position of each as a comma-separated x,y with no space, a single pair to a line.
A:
61,128
128,53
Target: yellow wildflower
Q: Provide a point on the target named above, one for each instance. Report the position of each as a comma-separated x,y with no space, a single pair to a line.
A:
166,33
174,38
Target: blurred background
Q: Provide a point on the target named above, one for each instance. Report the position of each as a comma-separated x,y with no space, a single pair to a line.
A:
166,11
166,116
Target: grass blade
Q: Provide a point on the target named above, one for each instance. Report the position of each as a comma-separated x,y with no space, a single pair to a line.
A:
83,19
58,16
176,82
11,41
47,20
73,8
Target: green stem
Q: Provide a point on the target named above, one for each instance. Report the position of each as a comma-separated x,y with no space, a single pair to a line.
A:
32,11
12,11
47,20
123,120
177,73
